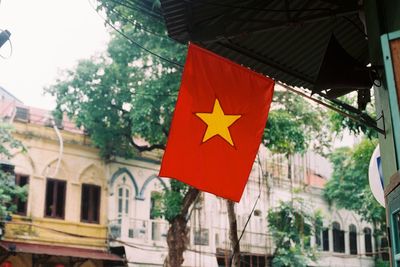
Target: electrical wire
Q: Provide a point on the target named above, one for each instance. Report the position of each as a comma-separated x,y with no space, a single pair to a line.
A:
150,248
159,20
125,243
134,42
248,219
135,23
140,8
180,66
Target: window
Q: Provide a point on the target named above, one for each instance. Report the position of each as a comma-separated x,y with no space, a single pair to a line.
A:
368,241
201,237
252,260
155,204
123,201
325,239
249,260
396,231
90,203
55,198
21,180
353,239
22,114
338,238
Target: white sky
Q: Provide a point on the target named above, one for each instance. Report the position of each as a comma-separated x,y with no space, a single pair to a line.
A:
47,36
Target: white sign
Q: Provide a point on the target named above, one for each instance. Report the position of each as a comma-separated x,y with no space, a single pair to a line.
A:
376,176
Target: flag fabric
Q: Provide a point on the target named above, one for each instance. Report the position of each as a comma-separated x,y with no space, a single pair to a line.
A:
218,122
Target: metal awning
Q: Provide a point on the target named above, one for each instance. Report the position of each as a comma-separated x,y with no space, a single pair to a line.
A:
317,45
62,251
286,40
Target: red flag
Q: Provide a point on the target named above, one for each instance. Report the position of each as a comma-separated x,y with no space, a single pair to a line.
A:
219,118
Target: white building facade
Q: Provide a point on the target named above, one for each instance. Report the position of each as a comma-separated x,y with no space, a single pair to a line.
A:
344,241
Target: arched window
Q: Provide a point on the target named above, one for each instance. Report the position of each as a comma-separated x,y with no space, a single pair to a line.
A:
338,238
368,241
353,239
123,194
155,204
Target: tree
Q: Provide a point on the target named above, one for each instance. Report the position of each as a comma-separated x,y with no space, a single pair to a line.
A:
8,190
292,224
349,186
338,123
294,125
129,94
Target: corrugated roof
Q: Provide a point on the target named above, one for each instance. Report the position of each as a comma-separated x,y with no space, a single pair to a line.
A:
285,40
37,116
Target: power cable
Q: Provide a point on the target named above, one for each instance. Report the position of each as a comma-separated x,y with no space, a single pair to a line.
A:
141,27
180,66
248,219
134,42
140,8
150,248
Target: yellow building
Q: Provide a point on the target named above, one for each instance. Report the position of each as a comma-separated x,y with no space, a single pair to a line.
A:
64,220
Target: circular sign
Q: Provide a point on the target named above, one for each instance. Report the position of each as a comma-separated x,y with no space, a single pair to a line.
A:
376,176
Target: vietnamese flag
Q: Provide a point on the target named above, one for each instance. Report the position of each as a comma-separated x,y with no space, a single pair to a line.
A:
219,119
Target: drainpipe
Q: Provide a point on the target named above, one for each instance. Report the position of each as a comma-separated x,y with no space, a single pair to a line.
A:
61,147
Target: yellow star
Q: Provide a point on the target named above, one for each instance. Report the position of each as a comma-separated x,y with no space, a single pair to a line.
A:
218,123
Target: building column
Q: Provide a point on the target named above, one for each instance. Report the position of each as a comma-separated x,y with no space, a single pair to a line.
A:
361,237
313,242
330,233
374,249
346,241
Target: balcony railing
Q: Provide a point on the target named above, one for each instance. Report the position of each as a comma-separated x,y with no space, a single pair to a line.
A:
155,231
252,242
137,229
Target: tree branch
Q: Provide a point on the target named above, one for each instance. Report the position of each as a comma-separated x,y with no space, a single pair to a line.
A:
165,131
189,198
145,148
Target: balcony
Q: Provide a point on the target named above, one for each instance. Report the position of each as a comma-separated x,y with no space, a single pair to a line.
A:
154,232
54,231
140,231
251,242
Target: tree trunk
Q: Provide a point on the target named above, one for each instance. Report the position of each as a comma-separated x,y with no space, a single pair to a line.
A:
177,236
233,236
290,176
289,166
376,241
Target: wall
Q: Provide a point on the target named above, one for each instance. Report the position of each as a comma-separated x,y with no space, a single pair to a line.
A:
79,164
